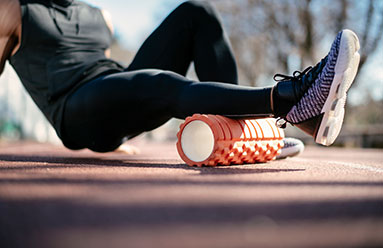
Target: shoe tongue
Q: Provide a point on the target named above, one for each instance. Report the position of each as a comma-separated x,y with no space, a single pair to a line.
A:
309,78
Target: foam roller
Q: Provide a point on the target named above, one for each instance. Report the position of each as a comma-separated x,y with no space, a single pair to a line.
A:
213,139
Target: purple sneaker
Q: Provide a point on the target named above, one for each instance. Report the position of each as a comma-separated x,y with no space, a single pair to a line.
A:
322,90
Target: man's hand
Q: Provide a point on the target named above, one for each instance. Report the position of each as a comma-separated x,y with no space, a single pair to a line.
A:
128,149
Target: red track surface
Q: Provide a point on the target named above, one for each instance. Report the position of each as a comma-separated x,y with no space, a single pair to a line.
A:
53,197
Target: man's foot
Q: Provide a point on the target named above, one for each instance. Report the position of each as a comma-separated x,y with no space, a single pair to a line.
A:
291,148
322,90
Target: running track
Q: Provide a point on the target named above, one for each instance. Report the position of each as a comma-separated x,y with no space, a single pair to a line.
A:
51,197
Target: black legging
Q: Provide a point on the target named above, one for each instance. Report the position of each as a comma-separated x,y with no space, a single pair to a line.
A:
153,89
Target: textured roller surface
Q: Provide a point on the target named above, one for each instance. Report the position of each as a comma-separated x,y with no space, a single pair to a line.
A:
234,141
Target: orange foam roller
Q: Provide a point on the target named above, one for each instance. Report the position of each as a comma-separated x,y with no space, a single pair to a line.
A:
213,139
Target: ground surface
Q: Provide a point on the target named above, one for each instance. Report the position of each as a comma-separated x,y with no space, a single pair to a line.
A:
53,197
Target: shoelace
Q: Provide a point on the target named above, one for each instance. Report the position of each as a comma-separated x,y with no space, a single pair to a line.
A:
297,75
305,78
311,72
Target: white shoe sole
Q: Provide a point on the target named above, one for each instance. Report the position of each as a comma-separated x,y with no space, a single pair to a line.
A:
345,72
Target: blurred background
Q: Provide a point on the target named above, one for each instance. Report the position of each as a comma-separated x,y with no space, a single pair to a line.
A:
268,37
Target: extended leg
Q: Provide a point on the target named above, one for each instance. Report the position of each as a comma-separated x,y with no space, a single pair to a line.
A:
104,111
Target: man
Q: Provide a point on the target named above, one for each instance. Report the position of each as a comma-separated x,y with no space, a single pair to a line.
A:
58,48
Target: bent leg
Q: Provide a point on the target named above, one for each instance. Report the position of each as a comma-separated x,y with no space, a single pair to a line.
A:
102,112
192,32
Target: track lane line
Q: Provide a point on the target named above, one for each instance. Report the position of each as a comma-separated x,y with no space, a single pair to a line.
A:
347,164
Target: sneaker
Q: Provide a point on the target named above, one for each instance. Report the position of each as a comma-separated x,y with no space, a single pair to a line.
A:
320,109
291,148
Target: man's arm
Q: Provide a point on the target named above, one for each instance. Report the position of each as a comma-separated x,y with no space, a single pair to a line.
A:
10,29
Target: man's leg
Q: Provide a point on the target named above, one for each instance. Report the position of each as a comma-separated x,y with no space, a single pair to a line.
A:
104,111
100,113
192,32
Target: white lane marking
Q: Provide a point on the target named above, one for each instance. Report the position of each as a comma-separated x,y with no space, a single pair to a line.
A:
351,165
357,166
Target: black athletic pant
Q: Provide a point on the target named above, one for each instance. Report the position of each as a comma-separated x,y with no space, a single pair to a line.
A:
153,89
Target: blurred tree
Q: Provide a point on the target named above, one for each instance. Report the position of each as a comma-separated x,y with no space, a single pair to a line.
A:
370,113
270,36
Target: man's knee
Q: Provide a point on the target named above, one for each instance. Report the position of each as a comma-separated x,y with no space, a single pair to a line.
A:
200,9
